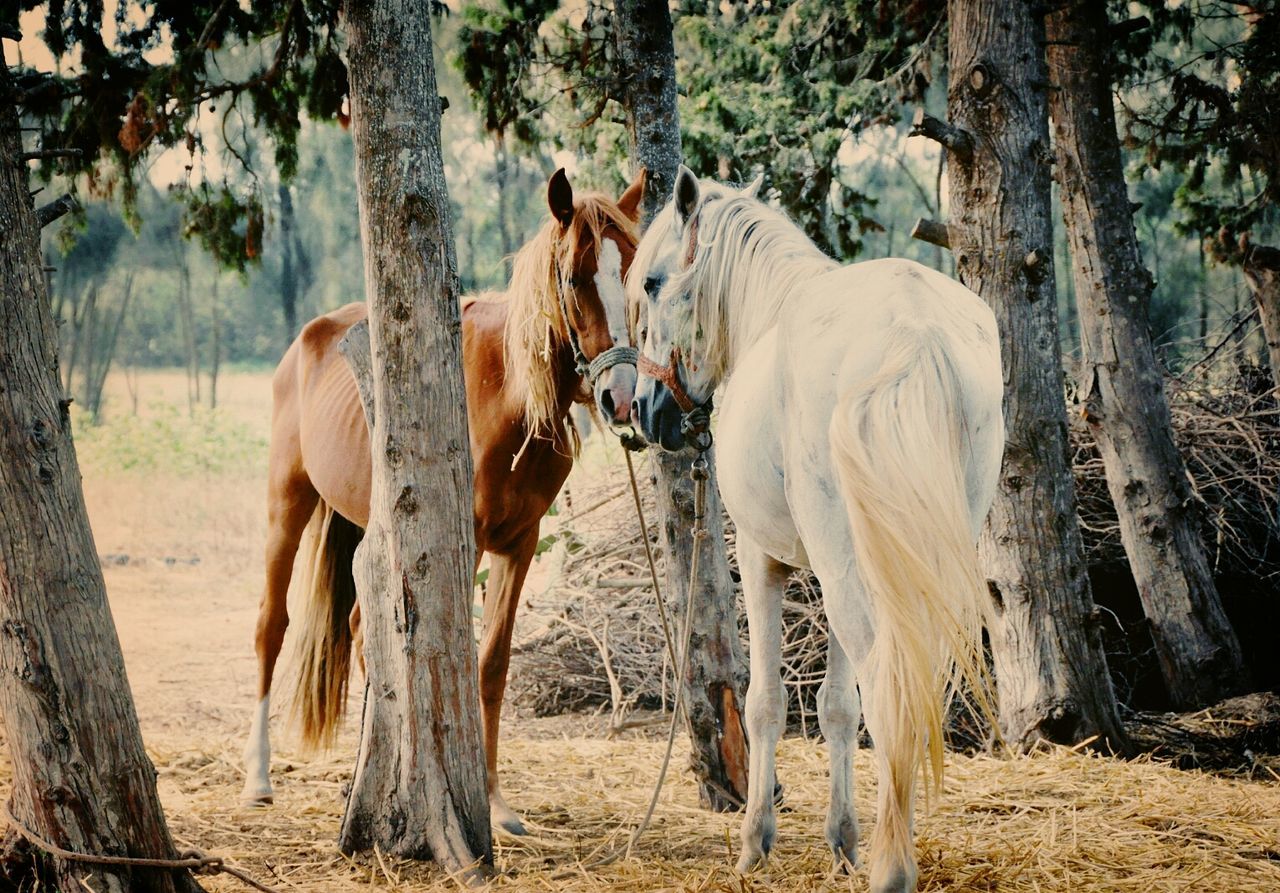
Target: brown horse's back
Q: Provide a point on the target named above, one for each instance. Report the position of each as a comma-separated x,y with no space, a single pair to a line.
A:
333,435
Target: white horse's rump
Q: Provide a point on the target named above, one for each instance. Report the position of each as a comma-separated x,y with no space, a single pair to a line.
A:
860,434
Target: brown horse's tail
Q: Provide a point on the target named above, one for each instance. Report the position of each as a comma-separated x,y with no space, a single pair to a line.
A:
324,648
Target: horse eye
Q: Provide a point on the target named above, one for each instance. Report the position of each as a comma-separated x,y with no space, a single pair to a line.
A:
651,285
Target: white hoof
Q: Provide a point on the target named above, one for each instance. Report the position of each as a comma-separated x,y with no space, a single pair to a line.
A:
256,795
503,816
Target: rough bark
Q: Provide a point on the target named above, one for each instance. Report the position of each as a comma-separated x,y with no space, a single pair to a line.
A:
419,788
80,775
1125,403
717,669
1050,666
1262,272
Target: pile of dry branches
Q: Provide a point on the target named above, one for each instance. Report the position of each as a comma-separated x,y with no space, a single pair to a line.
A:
593,636
1229,436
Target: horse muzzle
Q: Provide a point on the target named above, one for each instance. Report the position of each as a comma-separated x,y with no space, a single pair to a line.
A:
615,392
659,416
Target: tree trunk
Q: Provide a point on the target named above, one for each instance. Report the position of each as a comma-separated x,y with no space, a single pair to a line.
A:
1050,665
420,787
1125,403
80,775
1262,272
288,275
717,671
215,348
96,373
501,173
187,318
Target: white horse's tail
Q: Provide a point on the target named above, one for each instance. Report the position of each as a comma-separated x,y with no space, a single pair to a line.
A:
899,445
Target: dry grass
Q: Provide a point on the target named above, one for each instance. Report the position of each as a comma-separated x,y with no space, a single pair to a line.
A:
1056,821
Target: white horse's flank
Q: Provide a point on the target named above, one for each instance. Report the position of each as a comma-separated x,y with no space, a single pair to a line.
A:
859,434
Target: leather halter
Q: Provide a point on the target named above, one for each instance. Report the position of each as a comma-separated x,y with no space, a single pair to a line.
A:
668,375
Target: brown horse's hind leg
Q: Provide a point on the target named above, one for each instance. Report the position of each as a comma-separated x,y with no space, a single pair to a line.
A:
506,577
291,500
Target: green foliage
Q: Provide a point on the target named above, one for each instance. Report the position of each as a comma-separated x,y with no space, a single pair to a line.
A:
116,104
781,87
168,439
228,226
784,88
1203,97
498,45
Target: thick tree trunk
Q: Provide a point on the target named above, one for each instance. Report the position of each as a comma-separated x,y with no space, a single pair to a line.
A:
1125,403
1262,272
1050,666
419,788
80,775
717,670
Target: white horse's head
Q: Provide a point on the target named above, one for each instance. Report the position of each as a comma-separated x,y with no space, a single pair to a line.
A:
675,375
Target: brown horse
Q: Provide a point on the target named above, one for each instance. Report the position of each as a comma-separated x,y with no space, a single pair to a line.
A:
558,331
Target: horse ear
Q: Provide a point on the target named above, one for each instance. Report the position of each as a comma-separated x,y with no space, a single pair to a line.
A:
753,187
560,197
688,195
630,201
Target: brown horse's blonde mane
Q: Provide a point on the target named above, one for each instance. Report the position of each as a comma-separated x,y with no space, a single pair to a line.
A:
536,327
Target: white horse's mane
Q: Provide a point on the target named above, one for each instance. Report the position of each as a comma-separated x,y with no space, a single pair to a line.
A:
750,259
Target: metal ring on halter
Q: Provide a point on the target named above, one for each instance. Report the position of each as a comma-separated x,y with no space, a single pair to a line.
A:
695,425
632,441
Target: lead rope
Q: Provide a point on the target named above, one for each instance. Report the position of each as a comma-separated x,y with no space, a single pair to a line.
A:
192,860
698,474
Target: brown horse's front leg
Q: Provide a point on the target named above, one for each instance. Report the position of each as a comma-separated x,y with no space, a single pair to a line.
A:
506,577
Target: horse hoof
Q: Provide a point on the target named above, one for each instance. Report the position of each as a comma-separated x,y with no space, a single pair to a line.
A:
513,826
842,838
505,817
257,801
749,862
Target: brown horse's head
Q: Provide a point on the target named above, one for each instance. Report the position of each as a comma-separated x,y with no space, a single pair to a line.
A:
566,293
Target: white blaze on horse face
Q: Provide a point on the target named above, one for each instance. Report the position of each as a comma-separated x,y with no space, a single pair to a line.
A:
618,382
609,288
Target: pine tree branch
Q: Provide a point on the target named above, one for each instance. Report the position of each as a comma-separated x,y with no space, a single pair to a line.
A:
46,214
956,140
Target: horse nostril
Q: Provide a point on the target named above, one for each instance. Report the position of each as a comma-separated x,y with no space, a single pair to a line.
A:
606,404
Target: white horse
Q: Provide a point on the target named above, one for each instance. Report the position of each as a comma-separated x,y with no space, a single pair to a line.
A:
860,435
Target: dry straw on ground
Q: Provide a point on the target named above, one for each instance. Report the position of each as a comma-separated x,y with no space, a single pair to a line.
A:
1056,821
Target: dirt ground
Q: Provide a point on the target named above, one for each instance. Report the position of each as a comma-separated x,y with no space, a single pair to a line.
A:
182,558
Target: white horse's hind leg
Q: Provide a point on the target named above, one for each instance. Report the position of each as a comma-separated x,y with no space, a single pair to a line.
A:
891,857
838,712
763,581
